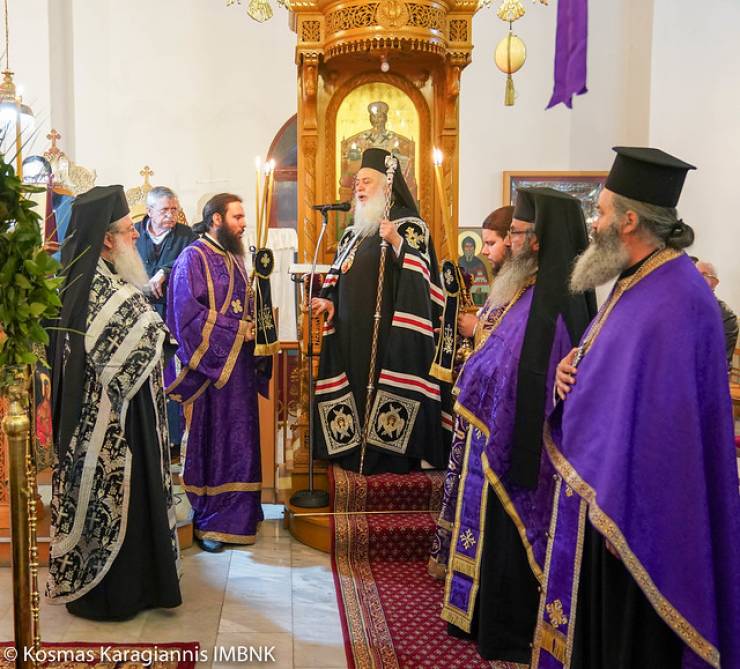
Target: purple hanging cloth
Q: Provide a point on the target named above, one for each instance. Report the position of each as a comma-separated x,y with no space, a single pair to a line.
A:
571,46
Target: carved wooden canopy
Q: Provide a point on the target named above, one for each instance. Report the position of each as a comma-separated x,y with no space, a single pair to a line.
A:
422,47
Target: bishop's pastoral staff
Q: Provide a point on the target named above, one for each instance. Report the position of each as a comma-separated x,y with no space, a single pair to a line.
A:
114,548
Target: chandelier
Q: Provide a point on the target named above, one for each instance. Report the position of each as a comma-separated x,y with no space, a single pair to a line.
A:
259,10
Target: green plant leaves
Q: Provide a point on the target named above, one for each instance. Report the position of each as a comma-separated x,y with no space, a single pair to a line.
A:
29,281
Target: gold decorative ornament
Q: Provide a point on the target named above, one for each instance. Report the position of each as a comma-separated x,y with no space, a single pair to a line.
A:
510,54
392,13
511,10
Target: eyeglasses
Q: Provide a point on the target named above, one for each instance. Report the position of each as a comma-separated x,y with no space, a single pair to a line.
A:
511,232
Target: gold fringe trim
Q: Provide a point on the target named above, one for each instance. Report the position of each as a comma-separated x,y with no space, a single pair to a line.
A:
609,529
441,373
452,615
513,514
244,539
436,570
211,491
267,349
463,565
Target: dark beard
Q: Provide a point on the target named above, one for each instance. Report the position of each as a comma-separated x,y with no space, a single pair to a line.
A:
231,242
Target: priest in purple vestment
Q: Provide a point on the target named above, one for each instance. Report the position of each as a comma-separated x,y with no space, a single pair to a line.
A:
494,230
497,547
209,310
642,563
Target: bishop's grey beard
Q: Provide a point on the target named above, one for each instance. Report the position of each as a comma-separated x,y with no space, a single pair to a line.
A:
129,266
230,241
515,272
604,259
368,215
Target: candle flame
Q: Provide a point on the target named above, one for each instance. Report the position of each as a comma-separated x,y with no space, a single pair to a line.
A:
438,157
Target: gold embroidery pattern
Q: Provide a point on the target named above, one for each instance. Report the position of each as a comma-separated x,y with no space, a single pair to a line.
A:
539,640
468,539
244,539
609,529
236,306
211,491
506,502
555,611
568,491
413,237
450,613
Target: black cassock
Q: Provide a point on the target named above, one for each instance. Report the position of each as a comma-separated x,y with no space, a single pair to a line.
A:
142,576
406,423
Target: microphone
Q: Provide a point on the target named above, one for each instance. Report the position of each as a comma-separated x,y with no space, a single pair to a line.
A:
333,206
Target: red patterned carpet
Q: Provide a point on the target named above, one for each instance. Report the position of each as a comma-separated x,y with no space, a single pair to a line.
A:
388,603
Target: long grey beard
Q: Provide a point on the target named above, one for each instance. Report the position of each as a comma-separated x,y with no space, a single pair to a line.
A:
514,274
129,266
603,260
368,215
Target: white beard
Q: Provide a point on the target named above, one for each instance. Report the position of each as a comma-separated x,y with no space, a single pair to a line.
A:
368,215
129,266
514,273
604,259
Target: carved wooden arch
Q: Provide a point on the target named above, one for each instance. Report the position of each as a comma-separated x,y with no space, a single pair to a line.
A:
424,169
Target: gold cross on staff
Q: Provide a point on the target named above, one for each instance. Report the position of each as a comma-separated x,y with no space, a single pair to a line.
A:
146,173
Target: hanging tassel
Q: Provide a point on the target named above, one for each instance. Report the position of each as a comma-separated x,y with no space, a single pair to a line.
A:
510,93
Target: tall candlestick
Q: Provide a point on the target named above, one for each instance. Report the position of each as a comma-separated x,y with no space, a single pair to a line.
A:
257,225
441,194
270,186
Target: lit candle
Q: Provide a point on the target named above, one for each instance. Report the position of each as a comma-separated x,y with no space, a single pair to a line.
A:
258,166
270,186
263,204
438,157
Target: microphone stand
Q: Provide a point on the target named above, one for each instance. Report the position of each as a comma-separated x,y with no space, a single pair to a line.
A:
312,499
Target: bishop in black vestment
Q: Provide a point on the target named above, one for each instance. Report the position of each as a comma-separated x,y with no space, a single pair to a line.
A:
407,423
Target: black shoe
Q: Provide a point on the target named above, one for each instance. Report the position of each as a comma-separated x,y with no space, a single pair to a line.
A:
211,545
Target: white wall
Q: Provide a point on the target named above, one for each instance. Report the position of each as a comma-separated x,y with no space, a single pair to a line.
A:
196,90
526,136
695,115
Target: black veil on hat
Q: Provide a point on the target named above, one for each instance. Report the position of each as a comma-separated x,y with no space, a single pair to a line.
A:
403,202
524,208
647,175
561,231
92,214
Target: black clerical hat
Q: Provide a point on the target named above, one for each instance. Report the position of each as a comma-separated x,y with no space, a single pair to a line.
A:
92,214
647,175
524,209
561,232
101,204
403,201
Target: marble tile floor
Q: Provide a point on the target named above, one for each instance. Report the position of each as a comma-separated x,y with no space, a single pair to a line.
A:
277,592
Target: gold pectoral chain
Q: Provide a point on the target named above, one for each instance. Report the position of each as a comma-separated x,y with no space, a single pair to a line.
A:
659,259
530,282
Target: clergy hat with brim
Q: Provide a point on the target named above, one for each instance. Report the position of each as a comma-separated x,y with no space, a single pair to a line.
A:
647,175
524,209
403,202
92,214
105,204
